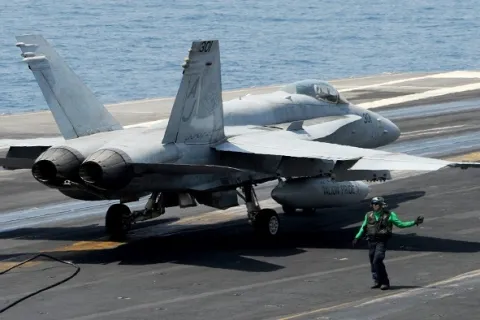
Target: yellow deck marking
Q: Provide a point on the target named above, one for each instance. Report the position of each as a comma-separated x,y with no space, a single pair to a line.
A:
77,246
473,156
88,246
7,265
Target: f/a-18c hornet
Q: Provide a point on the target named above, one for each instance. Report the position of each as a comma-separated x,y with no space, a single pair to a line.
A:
304,135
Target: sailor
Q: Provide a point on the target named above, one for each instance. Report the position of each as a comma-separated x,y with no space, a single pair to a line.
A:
377,226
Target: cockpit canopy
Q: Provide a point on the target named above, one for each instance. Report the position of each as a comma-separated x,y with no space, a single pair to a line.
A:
317,89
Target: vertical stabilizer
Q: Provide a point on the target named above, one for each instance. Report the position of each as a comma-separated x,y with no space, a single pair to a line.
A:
75,108
197,113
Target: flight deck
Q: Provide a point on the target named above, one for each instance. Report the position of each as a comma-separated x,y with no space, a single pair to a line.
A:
200,263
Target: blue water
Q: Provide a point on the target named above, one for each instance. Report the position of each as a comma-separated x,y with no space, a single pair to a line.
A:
127,50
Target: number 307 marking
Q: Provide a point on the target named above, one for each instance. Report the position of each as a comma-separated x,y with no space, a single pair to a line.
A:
206,46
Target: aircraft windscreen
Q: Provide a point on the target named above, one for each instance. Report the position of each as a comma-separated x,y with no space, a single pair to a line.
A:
317,89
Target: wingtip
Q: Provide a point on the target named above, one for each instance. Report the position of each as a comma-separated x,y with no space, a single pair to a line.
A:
205,40
464,165
29,40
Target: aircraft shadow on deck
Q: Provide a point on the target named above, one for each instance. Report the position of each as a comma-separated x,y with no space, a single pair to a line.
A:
233,246
81,233
339,216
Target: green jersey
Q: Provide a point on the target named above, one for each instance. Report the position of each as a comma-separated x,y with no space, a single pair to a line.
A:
393,219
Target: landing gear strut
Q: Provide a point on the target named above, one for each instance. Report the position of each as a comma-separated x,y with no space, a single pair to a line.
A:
265,222
120,219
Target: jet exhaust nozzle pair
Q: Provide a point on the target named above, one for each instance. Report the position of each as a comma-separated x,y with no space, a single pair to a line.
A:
107,169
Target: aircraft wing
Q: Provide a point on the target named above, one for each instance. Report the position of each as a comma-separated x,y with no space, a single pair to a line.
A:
277,143
167,168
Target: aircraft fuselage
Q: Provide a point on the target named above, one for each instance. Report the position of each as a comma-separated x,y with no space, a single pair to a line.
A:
274,110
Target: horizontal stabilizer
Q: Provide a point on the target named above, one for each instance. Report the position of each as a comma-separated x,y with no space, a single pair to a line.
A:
365,159
75,108
175,169
16,163
21,157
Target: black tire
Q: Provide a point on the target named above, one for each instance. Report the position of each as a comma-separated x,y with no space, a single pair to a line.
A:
267,223
118,221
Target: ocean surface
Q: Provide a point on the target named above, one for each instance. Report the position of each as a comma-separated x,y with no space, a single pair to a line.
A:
128,50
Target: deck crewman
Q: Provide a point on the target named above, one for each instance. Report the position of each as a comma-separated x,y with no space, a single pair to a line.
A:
377,226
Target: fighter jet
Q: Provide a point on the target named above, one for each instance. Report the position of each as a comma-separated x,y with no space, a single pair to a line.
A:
80,117
306,132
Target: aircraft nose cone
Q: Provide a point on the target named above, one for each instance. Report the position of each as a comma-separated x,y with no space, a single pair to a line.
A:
391,131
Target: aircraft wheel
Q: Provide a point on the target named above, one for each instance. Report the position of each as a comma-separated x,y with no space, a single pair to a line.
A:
267,223
118,221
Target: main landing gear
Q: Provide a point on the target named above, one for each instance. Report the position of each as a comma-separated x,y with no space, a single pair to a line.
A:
265,222
120,219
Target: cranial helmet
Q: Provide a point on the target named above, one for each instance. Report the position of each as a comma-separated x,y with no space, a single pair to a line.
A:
378,200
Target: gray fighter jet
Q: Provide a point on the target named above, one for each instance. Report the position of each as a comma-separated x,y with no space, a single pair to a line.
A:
305,134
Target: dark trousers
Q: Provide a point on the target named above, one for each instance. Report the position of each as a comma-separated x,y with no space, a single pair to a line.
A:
376,253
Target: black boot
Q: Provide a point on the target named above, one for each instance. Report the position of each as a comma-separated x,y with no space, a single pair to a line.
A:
376,285
385,287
